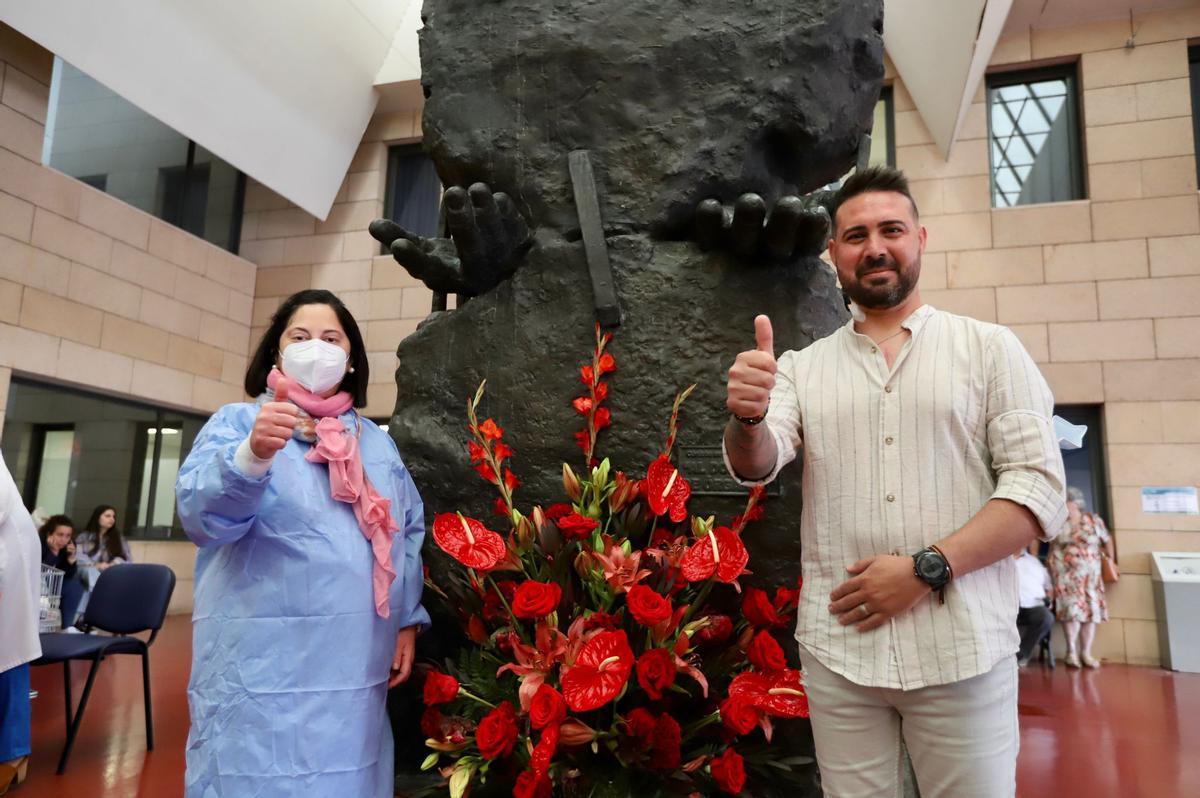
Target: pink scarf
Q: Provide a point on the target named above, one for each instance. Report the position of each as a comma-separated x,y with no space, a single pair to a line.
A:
334,445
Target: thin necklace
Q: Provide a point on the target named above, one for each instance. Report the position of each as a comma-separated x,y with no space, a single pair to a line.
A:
883,341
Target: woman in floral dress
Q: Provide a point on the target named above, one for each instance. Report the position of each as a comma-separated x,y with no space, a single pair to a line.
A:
1074,560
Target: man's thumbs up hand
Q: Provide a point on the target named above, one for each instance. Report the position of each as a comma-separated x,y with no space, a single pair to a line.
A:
753,374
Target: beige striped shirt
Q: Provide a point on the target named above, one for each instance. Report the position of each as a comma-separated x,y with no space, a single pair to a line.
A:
895,460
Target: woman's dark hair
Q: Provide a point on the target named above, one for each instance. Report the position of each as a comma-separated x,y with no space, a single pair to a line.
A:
113,542
267,352
54,522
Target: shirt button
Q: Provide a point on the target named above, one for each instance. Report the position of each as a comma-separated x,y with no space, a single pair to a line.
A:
888,440
891,497
874,350
887,389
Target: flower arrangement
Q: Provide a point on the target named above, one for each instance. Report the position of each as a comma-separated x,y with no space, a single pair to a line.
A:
611,654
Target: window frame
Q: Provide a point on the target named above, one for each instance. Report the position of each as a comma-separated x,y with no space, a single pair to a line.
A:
888,96
1093,416
1194,81
1034,73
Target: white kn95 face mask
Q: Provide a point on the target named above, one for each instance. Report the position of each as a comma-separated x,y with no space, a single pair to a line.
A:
317,365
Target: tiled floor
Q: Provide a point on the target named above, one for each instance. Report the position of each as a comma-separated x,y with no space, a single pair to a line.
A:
1119,731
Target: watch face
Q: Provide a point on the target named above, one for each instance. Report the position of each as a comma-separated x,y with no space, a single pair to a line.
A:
931,567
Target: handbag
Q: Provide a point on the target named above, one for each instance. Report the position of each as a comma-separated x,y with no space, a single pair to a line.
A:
1110,572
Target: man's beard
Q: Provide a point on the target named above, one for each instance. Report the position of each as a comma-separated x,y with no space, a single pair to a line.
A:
884,296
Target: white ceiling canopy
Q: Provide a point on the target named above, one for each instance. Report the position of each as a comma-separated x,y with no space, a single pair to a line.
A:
281,89
941,51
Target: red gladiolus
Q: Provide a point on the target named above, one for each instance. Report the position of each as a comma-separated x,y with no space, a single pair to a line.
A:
729,771
510,480
468,541
586,375
486,471
490,431
582,405
739,714
535,600
476,451
502,451
583,439
667,738
547,708
656,672
576,526
601,391
647,607
500,507
720,553
608,363
603,418
440,688
760,612
497,732
599,673
666,490
765,654
530,785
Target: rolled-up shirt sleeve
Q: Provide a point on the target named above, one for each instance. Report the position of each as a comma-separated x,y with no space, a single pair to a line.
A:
783,422
1025,455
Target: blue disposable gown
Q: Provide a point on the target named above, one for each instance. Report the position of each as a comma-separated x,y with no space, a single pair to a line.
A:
290,660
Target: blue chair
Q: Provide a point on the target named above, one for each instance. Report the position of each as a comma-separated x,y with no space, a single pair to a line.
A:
128,598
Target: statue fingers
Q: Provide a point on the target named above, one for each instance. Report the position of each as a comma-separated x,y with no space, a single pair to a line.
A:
709,224
782,226
487,218
385,231
813,231
460,218
515,230
746,231
434,265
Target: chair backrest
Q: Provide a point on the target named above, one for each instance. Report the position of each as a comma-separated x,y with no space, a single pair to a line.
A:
130,597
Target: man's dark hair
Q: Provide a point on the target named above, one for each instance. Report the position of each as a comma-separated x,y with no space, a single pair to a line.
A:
873,178
267,352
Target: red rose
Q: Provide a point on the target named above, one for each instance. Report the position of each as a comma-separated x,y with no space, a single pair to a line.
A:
667,734
431,723
656,672
729,771
718,630
601,620
535,600
558,510
739,715
647,607
765,653
440,688
576,526
528,785
547,708
497,732
759,610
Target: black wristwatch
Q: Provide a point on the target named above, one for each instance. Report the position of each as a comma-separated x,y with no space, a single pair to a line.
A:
932,568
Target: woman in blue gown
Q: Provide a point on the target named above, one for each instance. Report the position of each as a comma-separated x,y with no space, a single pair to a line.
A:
308,577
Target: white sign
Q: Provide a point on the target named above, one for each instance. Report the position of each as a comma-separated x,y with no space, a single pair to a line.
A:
1181,501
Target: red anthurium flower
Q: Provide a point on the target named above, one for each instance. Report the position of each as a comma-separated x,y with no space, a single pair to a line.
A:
476,451
667,490
490,431
582,404
780,694
576,526
729,771
468,541
530,785
720,552
599,673
759,611
607,363
718,630
656,672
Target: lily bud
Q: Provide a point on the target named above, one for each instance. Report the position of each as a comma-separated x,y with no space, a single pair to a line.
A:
583,565
571,483
575,732
702,526
623,493
524,530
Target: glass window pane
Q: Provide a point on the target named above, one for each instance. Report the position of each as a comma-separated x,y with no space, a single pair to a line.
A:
54,476
414,191
1034,141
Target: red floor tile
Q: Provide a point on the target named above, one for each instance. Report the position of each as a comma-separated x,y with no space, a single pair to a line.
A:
1118,731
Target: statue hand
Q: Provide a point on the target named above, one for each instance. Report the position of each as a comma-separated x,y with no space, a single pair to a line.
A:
488,236
795,226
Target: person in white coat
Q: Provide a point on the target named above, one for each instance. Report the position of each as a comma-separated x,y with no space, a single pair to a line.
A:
20,584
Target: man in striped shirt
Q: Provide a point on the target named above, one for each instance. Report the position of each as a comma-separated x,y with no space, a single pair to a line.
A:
928,457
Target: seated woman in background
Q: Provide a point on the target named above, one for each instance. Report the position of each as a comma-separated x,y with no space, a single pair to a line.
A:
58,551
101,544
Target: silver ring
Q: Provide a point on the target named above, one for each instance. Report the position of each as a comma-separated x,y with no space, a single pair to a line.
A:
866,613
